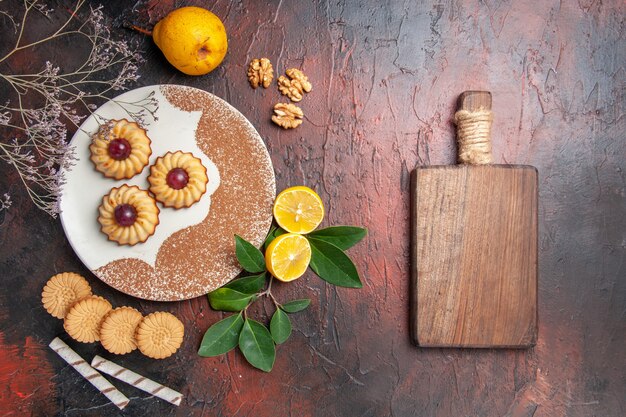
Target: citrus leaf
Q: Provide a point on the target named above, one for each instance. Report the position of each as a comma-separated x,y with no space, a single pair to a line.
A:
257,345
226,299
280,326
296,305
222,336
332,265
344,237
273,235
250,257
247,285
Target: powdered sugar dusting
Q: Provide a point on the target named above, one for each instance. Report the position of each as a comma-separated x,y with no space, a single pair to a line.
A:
201,258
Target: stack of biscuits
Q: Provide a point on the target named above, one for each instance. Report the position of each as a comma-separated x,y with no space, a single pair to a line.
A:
90,318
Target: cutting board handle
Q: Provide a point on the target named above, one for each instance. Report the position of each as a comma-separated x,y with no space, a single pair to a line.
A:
473,128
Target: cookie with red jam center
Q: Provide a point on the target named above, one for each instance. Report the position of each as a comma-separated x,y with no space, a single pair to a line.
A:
120,149
128,215
178,179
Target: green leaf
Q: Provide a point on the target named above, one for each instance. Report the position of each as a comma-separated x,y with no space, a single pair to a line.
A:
257,345
332,265
222,336
250,258
296,305
247,285
280,326
344,237
273,235
226,299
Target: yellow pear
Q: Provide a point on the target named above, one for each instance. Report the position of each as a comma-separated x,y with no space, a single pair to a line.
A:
192,39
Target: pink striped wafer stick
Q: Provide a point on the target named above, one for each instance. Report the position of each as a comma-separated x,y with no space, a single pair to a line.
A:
90,374
136,380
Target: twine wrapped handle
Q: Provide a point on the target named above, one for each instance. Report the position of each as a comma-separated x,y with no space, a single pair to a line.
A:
473,128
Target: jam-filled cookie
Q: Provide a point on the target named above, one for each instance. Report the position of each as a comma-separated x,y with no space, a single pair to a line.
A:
128,215
120,149
178,179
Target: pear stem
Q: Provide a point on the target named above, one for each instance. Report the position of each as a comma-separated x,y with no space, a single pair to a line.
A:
140,30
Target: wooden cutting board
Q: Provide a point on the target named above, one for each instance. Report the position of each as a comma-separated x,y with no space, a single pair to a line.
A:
474,252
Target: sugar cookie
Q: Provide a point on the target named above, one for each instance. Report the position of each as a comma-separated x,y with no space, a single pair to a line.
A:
83,319
63,290
159,335
117,331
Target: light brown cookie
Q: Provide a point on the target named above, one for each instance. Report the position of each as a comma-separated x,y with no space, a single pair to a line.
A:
128,215
83,319
117,331
159,335
120,149
178,179
63,290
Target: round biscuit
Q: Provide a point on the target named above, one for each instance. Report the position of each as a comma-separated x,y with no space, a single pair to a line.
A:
117,331
61,291
83,319
159,335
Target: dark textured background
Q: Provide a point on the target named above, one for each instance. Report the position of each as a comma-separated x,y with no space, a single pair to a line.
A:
385,76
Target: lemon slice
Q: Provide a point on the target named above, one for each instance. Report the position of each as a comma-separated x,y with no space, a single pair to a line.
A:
298,210
288,256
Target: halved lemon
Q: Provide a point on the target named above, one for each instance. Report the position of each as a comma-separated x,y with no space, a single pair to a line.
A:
288,256
298,210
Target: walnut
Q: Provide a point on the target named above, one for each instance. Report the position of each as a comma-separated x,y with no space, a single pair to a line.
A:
289,88
297,75
287,115
260,72
295,85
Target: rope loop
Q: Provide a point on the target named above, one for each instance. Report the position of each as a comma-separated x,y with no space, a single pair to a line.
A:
473,130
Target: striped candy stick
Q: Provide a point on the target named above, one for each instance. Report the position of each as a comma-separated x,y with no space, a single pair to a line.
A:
90,374
136,380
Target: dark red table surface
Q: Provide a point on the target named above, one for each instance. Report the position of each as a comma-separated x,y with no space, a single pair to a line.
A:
386,76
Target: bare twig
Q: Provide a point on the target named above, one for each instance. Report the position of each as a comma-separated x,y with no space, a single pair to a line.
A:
45,103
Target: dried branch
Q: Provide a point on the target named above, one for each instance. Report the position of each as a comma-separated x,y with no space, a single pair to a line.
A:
45,104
